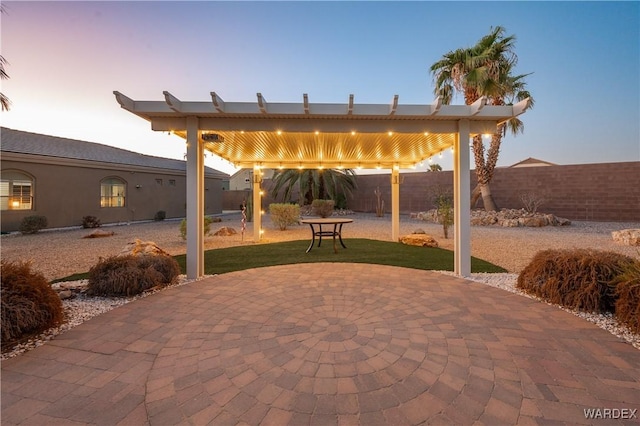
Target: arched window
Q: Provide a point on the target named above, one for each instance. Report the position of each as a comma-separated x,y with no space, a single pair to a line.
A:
16,190
112,192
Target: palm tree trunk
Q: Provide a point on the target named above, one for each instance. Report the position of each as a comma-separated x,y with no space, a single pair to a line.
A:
487,198
475,196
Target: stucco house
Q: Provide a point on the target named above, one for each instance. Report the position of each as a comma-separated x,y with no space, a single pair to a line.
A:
65,180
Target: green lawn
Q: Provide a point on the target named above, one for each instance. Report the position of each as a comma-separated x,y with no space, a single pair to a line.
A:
359,250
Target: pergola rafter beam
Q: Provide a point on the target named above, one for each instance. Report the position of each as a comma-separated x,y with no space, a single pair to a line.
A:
435,106
218,103
305,103
262,103
477,106
394,105
173,102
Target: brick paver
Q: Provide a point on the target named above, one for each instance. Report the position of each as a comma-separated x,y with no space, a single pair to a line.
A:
326,344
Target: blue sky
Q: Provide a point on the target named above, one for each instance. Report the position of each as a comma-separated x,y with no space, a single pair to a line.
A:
66,59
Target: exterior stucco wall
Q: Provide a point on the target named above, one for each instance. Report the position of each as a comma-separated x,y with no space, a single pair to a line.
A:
64,193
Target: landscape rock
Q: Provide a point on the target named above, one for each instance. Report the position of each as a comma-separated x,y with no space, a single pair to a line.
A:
99,233
420,240
65,294
138,248
508,218
629,237
225,231
419,231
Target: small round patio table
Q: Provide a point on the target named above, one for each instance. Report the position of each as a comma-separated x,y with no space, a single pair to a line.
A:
328,221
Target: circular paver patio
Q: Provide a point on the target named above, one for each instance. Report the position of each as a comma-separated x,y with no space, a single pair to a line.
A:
327,344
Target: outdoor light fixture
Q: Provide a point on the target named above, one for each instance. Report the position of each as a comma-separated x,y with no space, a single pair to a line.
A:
212,137
15,204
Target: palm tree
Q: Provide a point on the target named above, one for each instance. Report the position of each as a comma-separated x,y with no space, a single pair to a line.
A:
483,70
4,101
314,184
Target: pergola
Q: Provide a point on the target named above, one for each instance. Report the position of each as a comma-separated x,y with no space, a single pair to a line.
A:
307,135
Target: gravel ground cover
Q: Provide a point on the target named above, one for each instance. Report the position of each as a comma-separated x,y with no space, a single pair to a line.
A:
59,253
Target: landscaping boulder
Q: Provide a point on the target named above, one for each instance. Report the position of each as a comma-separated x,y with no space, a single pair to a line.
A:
225,231
138,247
99,233
629,237
420,240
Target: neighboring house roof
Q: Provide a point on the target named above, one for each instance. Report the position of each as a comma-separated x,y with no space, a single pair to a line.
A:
532,162
21,142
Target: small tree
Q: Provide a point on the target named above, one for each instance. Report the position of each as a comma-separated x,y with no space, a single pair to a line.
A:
379,202
444,206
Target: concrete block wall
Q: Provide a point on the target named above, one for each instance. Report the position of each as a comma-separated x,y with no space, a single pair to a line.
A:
599,192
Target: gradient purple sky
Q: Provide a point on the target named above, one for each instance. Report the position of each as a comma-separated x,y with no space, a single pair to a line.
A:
66,59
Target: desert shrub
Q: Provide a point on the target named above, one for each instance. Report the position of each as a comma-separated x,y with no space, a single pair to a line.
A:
444,206
627,292
207,226
29,304
32,224
130,275
341,202
160,215
91,222
322,208
283,214
577,279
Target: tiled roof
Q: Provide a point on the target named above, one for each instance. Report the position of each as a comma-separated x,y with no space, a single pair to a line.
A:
17,141
533,162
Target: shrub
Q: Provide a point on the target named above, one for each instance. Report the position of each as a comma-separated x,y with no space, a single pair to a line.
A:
341,201
577,279
284,215
91,222
322,208
29,304
32,224
160,215
627,285
130,275
444,206
207,226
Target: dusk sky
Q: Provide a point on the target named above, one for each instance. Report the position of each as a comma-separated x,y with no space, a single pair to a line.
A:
65,59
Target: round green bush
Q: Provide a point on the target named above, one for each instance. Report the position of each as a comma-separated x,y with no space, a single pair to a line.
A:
29,304
32,224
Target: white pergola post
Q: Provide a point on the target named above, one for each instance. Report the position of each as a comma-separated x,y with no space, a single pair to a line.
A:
257,203
395,203
462,201
195,200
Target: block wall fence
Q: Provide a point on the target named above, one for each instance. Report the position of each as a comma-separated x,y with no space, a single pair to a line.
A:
597,192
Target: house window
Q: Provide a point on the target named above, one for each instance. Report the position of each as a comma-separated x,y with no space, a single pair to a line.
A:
172,182
16,191
159,182
112,192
